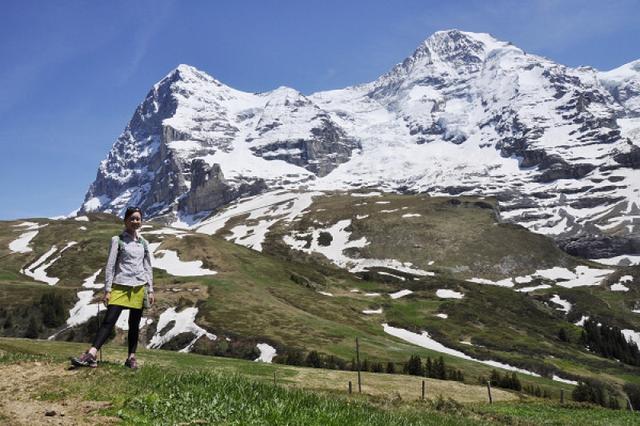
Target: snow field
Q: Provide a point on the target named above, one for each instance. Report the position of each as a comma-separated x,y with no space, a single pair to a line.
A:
267,209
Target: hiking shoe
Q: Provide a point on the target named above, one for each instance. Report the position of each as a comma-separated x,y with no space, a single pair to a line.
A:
84,360
131,363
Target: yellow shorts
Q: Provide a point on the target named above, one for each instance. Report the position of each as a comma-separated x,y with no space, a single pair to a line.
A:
128,297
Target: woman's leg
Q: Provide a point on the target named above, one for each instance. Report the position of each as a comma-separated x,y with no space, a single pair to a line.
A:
134,330
110,319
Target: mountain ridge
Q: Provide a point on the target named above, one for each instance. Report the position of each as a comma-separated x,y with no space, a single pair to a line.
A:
464,114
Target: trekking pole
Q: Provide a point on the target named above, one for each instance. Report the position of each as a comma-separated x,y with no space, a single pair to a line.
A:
100,350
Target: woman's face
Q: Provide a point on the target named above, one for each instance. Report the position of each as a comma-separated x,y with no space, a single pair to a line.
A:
133,222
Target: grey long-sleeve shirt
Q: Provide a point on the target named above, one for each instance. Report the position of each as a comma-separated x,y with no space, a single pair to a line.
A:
129,266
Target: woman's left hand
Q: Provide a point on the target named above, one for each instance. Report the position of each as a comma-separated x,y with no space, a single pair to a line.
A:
152,298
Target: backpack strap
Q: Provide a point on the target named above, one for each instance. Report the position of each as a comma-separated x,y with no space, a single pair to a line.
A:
144,242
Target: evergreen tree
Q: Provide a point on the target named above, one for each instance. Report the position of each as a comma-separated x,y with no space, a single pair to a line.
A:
495,378
313,360
8,323
391,367
32,329
414,366
295,357
428,368
563,336
439,369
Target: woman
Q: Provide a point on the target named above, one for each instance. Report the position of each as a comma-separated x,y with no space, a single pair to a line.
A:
127,273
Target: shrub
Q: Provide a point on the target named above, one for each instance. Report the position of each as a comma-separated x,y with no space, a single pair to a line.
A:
633,392
325,238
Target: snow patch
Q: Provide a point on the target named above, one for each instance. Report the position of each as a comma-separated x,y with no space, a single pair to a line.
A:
632,336
449,294
567,381
566,306
21,245
90,282
184,323
170,262
399,294
37,270
502,283
619,287
372,311
267,353
392,275
580,323
533,288
583,276
83,310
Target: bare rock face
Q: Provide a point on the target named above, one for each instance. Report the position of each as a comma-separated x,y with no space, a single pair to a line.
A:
209,189
599,246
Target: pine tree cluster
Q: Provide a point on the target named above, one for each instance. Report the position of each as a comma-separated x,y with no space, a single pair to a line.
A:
609,342
595,392
506,381
436,369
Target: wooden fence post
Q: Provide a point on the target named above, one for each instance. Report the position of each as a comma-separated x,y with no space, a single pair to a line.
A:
489,391
561,396
274,378
358,365
423,390
349,387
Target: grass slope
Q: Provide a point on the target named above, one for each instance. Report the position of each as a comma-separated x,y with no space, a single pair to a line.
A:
174,388
273,298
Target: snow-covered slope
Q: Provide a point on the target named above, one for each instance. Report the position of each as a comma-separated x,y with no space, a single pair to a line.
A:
464,114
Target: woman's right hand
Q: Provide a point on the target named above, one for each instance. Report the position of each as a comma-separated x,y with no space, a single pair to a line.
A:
106,297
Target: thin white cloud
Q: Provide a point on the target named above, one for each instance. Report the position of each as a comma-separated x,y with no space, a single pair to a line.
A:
142,38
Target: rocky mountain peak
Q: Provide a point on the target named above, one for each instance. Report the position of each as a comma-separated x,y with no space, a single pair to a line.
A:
464,114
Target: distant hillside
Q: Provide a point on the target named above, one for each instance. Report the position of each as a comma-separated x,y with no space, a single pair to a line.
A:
405,274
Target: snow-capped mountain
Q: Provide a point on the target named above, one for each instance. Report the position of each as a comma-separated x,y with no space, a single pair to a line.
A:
464,114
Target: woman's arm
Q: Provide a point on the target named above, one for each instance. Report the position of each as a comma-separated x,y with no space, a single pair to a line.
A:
148,268
110,269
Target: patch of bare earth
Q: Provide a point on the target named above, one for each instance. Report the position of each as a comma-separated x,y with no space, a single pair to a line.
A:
23,382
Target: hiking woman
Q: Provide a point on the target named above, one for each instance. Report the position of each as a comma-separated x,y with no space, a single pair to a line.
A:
128,275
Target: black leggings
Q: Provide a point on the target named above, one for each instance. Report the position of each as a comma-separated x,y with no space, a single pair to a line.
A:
110,319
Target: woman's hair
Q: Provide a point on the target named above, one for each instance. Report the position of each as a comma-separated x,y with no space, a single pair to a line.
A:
130,211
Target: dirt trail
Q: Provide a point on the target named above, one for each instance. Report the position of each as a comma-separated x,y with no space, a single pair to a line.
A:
21,383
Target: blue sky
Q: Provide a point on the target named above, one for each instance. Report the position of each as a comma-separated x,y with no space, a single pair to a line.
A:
73,72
